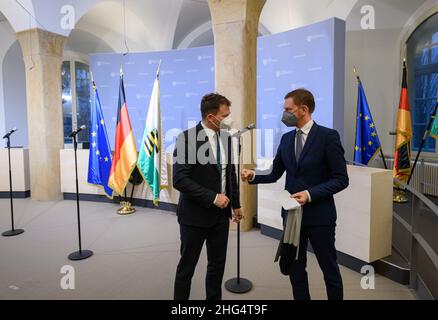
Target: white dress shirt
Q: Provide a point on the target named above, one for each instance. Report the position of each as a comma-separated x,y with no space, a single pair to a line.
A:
211,134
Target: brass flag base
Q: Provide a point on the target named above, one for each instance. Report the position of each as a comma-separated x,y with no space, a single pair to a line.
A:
126,208
399,196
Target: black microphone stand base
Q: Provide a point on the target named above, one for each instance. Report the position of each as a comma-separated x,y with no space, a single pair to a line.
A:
12,233
237,285
80,255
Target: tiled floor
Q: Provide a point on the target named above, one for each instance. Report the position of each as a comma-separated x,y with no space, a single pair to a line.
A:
136,257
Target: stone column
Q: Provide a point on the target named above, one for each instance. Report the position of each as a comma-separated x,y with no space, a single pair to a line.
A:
235,28
42,53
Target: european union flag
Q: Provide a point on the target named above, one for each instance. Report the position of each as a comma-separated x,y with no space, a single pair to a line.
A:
99,163
367,141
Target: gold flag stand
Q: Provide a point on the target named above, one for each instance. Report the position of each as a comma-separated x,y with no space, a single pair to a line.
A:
399,196
126,208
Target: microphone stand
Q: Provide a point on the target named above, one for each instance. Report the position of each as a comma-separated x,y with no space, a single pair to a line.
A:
81,254
238,285
13,231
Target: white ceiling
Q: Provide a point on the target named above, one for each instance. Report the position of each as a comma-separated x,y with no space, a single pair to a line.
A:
170,24
193,14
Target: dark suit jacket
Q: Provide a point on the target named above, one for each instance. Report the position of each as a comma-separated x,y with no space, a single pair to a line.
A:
321,170
198,179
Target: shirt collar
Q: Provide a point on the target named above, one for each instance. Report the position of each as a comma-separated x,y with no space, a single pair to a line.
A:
210,133
307,127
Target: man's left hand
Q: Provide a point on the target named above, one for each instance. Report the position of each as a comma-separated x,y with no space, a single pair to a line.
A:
238,215
301,197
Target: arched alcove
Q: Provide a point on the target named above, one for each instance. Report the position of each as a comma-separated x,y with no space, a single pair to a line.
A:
14,94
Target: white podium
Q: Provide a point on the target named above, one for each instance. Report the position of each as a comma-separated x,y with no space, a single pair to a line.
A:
20,172
364,209
364,227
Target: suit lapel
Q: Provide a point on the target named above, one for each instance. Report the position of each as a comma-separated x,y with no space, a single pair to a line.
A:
201,140
291,148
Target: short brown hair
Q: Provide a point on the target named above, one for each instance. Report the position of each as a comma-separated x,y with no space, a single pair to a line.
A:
302,97
211,102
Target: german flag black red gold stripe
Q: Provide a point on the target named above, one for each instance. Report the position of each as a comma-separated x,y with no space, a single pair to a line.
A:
402,157
125,151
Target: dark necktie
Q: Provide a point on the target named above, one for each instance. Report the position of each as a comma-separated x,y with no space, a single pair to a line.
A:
299,144
218,155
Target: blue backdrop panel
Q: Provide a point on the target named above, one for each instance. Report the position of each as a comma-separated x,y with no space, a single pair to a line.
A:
300,58
311,57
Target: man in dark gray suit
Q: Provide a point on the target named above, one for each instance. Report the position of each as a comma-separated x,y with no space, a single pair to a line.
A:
204,174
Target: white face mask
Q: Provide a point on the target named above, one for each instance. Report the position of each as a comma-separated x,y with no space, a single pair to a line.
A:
227,123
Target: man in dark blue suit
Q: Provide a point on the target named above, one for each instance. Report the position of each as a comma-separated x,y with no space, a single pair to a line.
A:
313,159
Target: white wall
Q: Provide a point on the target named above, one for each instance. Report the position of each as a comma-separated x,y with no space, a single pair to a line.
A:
14,94
7,38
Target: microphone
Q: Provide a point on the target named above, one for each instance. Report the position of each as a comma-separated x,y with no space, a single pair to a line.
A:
242,131
7,135
83,127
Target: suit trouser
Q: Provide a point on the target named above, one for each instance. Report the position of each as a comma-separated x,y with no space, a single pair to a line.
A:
322,239
192,240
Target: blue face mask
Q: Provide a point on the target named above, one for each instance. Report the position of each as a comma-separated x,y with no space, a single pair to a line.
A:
289,119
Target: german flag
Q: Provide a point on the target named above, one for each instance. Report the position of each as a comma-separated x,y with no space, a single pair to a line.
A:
125,151
402,157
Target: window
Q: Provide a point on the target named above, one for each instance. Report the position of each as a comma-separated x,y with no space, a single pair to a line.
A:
75,99
66,100
422,55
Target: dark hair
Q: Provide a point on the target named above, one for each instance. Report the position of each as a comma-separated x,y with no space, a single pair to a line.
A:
302,96
211,102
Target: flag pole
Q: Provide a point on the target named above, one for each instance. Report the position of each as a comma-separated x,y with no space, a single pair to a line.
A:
426,134
400,191
357,110
126,207
381,151
159,67
92,81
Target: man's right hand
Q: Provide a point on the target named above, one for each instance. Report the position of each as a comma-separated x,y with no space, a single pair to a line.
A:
222,201
247,175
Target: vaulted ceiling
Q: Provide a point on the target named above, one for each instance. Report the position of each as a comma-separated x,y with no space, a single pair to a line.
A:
170,24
